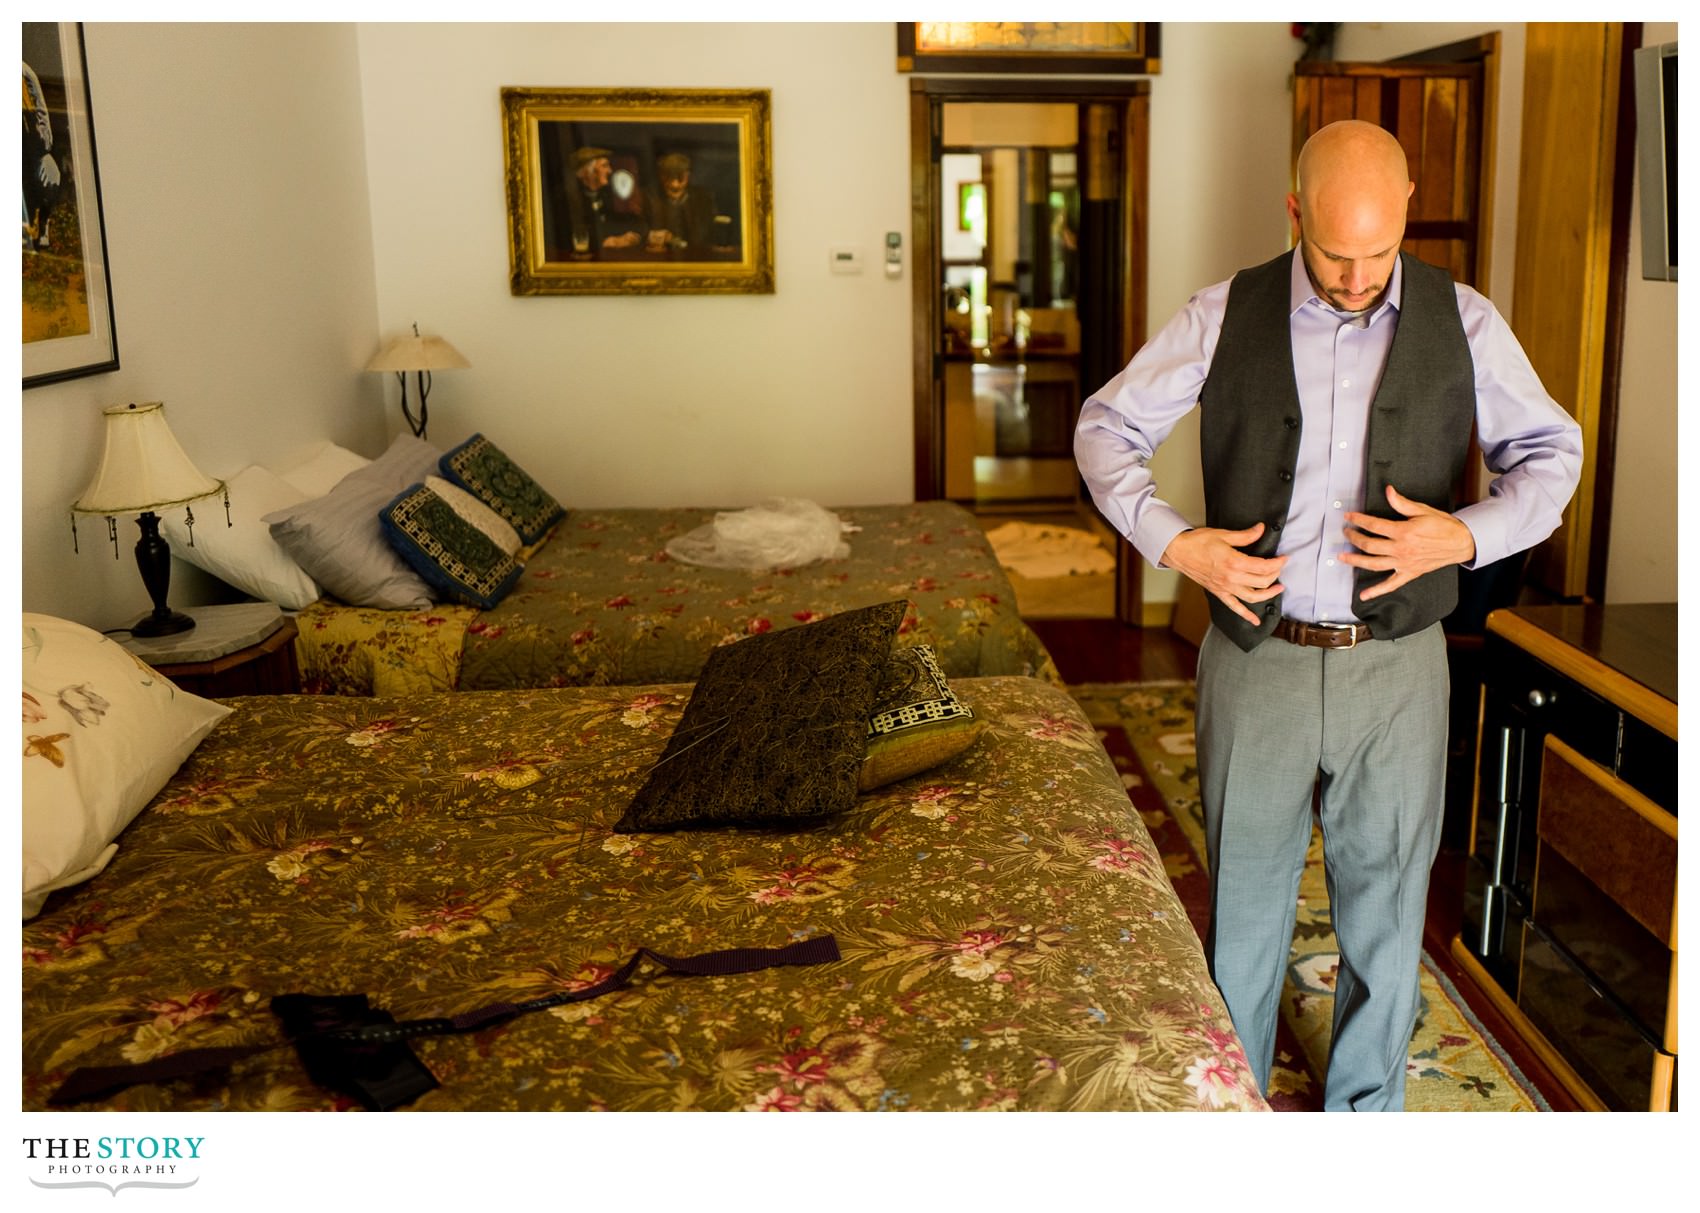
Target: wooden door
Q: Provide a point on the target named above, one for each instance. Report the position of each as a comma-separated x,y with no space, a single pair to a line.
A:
1572,229
1437,112
1570,232
1438,104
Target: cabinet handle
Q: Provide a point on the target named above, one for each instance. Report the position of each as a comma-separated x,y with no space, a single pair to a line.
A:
1539,699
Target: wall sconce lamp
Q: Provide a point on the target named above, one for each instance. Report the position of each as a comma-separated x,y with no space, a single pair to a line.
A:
421,355
142,470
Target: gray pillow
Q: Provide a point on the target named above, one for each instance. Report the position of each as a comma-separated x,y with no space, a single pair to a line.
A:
340,542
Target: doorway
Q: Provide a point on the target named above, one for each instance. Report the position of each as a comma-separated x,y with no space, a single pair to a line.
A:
1028,218
1009,259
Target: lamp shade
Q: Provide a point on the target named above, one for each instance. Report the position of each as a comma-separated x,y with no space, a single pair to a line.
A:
415,353
142,468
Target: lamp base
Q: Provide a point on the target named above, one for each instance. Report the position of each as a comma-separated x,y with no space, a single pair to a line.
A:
162,623
153,559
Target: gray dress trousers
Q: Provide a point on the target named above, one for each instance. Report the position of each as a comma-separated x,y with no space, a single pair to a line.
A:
1367,727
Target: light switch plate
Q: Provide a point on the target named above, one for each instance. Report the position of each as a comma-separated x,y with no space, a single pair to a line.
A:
846,259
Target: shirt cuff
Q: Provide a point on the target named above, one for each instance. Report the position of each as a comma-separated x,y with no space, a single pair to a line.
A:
1491,543
1157,528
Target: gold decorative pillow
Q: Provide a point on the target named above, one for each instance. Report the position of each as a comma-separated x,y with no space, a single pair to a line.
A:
776,728
917,721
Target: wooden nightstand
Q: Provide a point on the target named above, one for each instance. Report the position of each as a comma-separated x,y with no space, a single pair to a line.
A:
245,648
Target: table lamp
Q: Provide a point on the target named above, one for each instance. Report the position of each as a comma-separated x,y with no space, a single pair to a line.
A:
421,355
143,470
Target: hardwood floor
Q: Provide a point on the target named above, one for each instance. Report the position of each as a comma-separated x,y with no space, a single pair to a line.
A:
1103,650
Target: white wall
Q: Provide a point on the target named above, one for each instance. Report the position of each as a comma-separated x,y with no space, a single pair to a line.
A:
721,400
1642,563
234,191
1221,146
656,400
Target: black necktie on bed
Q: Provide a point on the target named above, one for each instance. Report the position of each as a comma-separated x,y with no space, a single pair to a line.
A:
350,1046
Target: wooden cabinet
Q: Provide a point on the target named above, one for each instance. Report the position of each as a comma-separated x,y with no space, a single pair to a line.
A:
1571,887
238,649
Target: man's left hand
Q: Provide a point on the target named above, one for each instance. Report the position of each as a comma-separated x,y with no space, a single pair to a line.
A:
1427,539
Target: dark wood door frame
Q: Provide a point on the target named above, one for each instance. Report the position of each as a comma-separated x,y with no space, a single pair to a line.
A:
927,97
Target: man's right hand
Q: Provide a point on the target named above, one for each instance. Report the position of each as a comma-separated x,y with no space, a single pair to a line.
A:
1212,557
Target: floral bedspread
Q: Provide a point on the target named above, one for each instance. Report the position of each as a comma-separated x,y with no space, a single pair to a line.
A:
1008,937
601,603
344,650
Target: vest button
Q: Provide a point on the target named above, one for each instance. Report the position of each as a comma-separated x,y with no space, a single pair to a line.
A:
1286,477
1292,423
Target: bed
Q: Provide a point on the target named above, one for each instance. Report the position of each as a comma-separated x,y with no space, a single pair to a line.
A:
426,570
1007,937
601,603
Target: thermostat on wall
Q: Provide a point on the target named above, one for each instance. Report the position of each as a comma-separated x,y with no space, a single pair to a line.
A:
846,260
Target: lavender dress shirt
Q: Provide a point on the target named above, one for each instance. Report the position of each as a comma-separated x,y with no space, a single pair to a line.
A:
1533,446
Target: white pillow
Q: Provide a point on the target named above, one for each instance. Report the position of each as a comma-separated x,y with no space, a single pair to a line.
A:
244,554
102,733
318,469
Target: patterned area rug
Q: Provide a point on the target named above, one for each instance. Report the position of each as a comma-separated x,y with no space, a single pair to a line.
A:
1455,1066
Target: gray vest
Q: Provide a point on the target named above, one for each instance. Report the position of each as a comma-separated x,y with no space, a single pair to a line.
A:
1418,436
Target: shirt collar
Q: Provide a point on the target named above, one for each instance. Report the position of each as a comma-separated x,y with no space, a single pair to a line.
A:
1302,291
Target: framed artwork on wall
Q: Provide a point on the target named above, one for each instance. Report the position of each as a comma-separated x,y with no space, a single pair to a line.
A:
638,191
67,286
1056,48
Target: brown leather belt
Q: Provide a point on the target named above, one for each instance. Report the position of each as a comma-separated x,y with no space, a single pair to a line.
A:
1322,635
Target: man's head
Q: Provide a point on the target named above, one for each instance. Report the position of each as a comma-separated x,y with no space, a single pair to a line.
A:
1349,212
591,166
675,170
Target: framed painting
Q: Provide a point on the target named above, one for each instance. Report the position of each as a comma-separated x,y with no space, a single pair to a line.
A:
1056,48
638,191
67,285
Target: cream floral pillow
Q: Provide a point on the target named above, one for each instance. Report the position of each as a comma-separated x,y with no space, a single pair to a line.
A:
102,732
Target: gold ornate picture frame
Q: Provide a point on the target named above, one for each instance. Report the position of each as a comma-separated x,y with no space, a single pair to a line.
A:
639,191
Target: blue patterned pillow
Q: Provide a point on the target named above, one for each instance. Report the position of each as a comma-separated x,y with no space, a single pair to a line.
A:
456,545
481,468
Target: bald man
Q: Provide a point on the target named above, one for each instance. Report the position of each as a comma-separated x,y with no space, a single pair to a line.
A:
1337,385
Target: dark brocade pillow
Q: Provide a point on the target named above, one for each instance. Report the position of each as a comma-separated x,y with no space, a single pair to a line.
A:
460,548
917,721
775,730
481,468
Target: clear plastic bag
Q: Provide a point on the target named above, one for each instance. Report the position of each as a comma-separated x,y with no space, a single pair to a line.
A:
779,533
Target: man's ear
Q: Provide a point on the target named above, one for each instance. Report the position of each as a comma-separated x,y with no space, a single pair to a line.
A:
1293,214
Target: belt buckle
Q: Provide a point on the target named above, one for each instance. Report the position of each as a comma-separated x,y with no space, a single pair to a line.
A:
1351,630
